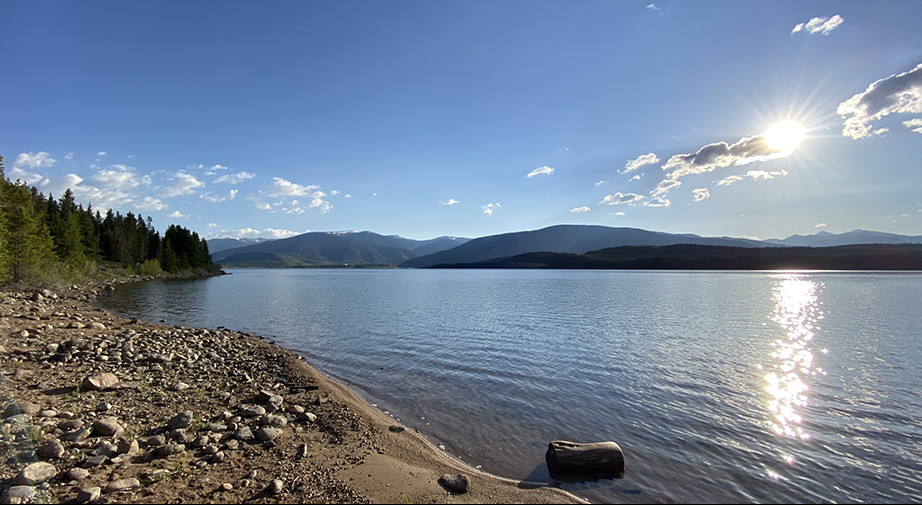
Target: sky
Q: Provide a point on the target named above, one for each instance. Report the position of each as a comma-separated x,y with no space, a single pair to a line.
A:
470,118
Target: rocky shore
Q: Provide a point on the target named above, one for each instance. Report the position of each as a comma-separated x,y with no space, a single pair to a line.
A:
101,409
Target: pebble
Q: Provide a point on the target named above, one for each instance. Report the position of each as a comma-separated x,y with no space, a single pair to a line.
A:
18,494
107,427
99,382
275,487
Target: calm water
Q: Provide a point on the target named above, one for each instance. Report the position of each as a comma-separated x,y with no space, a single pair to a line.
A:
719,387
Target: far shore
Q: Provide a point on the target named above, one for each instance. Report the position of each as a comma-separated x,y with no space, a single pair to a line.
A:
100,408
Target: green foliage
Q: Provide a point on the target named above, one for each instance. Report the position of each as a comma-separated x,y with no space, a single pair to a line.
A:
48,241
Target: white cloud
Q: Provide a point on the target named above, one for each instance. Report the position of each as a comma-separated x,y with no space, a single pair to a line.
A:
700,194
490,208
450,201
726,181
283,188
635,178
765,175
620,213
819,225
580,209
720,154
653,7
183,183
234,178
897,94
335,192
101,153
149,204
914,125
819,25
32,160
599,183
622,199
665,186
657,202
69,156
540,171
176,215
646,159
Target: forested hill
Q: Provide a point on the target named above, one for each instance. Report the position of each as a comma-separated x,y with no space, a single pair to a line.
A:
48,240
705,257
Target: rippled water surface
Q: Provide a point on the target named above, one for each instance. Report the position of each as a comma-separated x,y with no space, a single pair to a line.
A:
718,386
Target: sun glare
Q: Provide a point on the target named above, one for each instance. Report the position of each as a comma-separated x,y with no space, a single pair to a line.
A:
785,136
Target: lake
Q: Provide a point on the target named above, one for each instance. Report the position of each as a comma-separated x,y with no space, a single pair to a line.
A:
768,387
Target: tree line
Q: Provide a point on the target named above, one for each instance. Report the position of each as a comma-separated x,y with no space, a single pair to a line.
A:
43,239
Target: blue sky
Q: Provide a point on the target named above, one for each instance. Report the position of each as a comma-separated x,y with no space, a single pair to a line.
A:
470,118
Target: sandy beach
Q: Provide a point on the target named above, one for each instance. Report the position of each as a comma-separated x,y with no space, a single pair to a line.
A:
102,409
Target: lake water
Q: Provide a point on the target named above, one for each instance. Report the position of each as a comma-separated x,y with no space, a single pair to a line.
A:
719,386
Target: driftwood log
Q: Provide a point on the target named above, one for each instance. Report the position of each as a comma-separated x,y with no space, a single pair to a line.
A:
593,459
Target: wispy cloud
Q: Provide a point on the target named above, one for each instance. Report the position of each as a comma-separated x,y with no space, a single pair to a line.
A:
819,25
450,201
646,159
726,181
653,7
657,202
665,186
264,233
210,197
819,225
580,209
490,208
282,188
897,94
540,171
601,183
700,194
234,178
914,125
176,215
622,199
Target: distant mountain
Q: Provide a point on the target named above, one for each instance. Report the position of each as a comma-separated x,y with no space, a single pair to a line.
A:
317,249
563,239
709,257
826,239
220,244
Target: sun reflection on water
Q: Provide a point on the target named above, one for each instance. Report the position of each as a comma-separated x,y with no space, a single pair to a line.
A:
797,311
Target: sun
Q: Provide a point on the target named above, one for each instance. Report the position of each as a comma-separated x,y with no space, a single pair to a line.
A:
785,136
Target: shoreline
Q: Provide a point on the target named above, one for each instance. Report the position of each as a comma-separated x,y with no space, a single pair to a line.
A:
199,415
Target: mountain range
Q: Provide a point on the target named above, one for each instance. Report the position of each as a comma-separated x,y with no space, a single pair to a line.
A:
319,249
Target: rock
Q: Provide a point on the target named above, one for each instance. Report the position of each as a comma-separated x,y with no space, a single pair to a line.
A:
89,494
51,450
165,451
181,420
95,460
118,486
458,483
268,433
180,386
128,447
17,408
301,451
104,407
395,428
77,435
276,421
227,486
78,473
70,425
99,382
36,473
252,410
244,434
18,494
107,427
309,417
275,487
